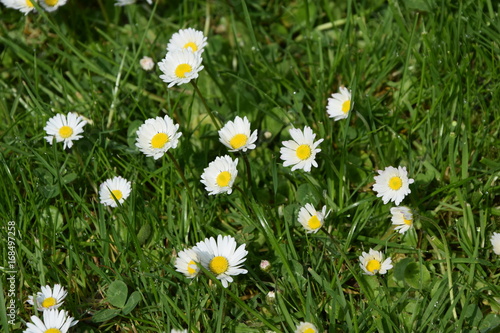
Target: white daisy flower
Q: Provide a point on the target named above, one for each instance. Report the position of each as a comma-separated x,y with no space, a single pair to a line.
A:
301,151
49,298
189,39
222,258
147,63
339,104
157,135
24,6
220,174
52,5
392,184
373,262
186,263
124,2
495,241
54,321
64,128
236,135
305,327
180,67
310,218
402,217
113,190
178,331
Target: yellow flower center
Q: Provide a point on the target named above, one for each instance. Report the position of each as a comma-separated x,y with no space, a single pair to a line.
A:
117,193
407,222
52,330
190,269
238,141
182,69
65,132
346,106
223,178
48,302
218,265
395,183
29,4
309,330
373,266
159,140
303,152
314,223
192,46
51,2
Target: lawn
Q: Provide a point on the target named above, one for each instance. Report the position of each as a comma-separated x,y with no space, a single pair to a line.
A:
424,81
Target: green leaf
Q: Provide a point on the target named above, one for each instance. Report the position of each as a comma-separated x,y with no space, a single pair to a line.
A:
132,302
417,275
117,293
69,178
47,187
144,233
305,194
52,217
400,267
490,323
104,315
473,314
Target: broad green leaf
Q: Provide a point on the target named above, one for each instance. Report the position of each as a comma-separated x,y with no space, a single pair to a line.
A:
105,315
52,217
117,293
132,302
417,275
490,323
305,194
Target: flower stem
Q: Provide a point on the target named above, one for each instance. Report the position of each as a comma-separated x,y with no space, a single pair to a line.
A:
214,120
181,173
249,172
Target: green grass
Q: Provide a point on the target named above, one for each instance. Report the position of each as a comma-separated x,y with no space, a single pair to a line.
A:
426,88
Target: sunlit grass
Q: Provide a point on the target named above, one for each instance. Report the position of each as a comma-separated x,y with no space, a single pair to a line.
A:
425,88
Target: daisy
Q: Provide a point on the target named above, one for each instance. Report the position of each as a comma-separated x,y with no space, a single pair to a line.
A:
64,128
180,67
178,331
190,39
147,63
124,2
113,190
339,105
305,327
49,298
222,258
495,241
311,219
271,297
157,135
220,174
265,265
373,262
402,217
301,151
392,184
236,135
52,5
54,321
186,263
24,6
